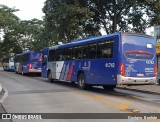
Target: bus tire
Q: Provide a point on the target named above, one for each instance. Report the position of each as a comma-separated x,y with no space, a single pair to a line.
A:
109,87
159,82
50,79
81,82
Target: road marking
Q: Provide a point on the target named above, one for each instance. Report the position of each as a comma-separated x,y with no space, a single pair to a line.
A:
0,88
5,95
122,105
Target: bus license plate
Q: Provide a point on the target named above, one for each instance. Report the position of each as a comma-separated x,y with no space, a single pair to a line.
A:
140,75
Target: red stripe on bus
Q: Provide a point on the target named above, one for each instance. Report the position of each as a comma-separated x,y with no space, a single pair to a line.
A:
70,72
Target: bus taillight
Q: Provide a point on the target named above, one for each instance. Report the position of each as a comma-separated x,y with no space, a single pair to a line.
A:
155,70
122,69
40,59
30,66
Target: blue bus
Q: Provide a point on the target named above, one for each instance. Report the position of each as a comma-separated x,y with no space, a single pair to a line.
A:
28,62
109,60
8,64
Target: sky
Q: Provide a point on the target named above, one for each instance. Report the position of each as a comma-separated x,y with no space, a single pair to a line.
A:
28,9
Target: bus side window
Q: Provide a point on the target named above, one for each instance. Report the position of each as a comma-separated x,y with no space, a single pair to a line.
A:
68,54
74,53
77,52
105,49
80,52
91,51
61,55
85,52
51,55
58,55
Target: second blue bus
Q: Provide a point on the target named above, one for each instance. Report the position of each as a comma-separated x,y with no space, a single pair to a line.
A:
28,62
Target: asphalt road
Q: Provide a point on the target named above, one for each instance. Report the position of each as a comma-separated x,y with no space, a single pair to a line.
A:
33,94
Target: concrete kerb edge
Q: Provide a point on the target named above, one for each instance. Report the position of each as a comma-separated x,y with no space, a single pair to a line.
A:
138,90
0,88
5,95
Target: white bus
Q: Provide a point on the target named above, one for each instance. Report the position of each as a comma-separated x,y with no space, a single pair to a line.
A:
8,64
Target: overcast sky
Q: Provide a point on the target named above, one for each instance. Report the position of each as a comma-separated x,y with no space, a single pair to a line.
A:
29,9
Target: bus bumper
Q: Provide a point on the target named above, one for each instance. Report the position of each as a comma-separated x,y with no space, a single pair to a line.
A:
35,70
135,81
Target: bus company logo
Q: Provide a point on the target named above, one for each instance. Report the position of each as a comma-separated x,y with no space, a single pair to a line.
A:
149,62
6,116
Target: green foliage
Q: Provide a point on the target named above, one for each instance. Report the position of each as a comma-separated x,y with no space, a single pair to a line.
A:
9,24
18,34
124,15
67,20
153,12
30,32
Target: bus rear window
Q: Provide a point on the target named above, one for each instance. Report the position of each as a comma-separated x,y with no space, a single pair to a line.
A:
11,59
137,54
37,57
37,60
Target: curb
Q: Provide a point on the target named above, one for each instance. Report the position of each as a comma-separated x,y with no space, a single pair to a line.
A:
139,90
0,88
4,93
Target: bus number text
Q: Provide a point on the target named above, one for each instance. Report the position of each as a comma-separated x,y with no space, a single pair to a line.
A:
150,62
112,65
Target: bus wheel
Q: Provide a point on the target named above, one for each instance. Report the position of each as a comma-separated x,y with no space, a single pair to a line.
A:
50,77
109,87
159,82
81,82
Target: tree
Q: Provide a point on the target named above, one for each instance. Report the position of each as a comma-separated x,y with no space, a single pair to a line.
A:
18,34
30,31
67,20
124,15
9,24
153,12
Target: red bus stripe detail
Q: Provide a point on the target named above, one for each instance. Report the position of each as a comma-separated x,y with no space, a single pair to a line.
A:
138,52
70,72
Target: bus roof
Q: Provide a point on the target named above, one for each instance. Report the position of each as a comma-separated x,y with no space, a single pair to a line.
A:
84,41
136,34
28,52
95,39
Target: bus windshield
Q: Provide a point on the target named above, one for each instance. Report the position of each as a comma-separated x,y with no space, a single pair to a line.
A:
11,59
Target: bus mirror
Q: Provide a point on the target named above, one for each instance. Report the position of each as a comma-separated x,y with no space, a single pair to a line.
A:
45,59
45,56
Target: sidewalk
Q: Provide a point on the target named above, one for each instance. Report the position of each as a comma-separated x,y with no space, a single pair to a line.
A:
0,87
153,89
